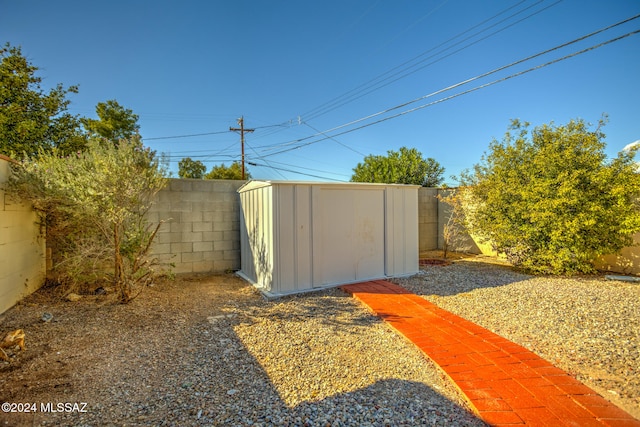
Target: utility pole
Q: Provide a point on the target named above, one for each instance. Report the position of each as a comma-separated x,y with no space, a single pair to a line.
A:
242,130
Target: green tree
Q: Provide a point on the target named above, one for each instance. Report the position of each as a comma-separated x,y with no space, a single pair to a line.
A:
114,122
188,168
94,207
30,118
551,200
406,166
223,172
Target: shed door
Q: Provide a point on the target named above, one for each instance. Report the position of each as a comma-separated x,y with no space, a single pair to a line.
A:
348,235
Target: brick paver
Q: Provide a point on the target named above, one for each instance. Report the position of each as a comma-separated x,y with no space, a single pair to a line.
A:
505,384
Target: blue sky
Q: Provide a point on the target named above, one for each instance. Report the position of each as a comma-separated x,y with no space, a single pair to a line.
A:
194,67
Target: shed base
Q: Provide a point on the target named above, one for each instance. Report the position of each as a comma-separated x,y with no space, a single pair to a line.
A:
270,296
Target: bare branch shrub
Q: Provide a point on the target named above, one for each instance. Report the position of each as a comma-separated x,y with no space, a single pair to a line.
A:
94,207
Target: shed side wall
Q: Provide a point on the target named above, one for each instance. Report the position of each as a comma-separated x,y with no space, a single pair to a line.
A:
257,236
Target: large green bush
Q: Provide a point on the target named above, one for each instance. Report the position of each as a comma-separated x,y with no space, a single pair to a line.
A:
551,200
94,206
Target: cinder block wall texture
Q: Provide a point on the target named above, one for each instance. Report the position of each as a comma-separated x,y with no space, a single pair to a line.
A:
22,247
202,229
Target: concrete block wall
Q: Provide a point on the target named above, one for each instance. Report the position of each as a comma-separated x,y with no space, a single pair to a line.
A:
202,229
22,247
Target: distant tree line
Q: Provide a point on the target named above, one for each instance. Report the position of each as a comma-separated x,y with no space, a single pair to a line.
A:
195,169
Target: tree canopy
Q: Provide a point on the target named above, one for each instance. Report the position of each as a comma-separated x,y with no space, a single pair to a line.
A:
189,168
30,118
550,199
195,169
231,172
114,122
406,166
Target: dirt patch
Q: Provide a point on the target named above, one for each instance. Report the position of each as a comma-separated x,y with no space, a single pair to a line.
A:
85,342
212,351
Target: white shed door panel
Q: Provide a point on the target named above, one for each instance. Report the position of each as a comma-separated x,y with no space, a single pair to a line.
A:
348,235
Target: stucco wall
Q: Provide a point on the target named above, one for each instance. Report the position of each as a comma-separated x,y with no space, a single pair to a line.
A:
202,232
22,247
627,261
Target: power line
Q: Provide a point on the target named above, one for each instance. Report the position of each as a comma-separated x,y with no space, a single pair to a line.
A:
335,140
185,136
277,171
377,82
422,18
291,145
296,172
452,96
486,74
203,156
301,167
209,133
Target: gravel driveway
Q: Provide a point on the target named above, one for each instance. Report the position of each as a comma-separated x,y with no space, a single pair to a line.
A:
211,351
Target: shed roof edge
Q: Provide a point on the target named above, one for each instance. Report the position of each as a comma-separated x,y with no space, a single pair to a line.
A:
257,183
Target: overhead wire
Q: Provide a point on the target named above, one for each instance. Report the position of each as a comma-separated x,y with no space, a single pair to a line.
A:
377,82
456,85
309,169
334,140
296,172
268,165
451,96
281,126
208,157
314,113
422,18
185,136
210,133
331,105
296,144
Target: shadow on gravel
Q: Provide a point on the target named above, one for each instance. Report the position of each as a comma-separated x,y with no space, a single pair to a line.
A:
387,402
173,358
460,277
311,306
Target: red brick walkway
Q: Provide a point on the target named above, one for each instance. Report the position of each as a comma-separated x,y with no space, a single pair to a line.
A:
506,384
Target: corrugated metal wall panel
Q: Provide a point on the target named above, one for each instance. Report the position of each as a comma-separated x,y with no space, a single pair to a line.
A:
401,231
246,255
303,251
256,241
412,234
283,239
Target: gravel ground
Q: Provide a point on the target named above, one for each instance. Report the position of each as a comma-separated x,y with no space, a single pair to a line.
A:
211,351
588,326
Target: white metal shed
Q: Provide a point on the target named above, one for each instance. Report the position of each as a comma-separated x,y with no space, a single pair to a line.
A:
300,236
